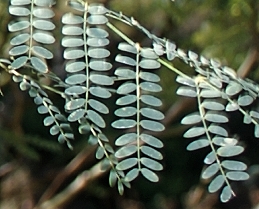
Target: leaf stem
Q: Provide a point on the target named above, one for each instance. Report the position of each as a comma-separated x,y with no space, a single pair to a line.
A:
122,35
172,68
31,29
138,93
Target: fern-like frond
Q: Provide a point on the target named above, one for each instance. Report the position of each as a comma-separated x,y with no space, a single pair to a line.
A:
55,120
32,29
89,79
137,112
208,89
208,130
216,88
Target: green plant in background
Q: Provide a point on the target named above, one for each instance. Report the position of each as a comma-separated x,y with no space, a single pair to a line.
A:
94,75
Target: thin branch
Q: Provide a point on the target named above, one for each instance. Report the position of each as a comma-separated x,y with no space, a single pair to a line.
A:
250,60
75,164
6,169
79,184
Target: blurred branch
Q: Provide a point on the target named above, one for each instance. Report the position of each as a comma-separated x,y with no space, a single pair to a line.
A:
250,60
75,164
6,168
177,109
75,187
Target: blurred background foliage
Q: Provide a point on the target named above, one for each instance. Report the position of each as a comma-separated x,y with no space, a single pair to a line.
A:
224,29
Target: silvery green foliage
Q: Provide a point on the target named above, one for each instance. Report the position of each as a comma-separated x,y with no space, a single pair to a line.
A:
31,32
138,112
90,81
32,29
217,90
55,120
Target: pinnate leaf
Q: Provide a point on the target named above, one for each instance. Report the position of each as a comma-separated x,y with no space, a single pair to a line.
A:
152,164
151,152
150,175
152,125
216,184
237,175
192,118
96,118
226,194
126,151
198,144
229,151
210,171
126,139
194,132
127,163
124,123
234,165
151,140
132,174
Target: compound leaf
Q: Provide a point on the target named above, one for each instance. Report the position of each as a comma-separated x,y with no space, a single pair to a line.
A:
151,152
216,129
76,115
191,119
194,132
210,171
210,158
216,183
229,151
101,79
39,65
151,140
126,151
147,76
43,37
96,118
100,65
127,163
132,174
149,86
226,194
150,175
245,100
149,64
125,60
151,100
97,19
98,106
186,91
100,92
198,144
152,125
19,62
125,139
126,111
126,100
126,88
99,53
212,105
237,175
152,113
152,164
43,13
20,39
233,88
124,123
75,104
234,165
215,117
42,52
